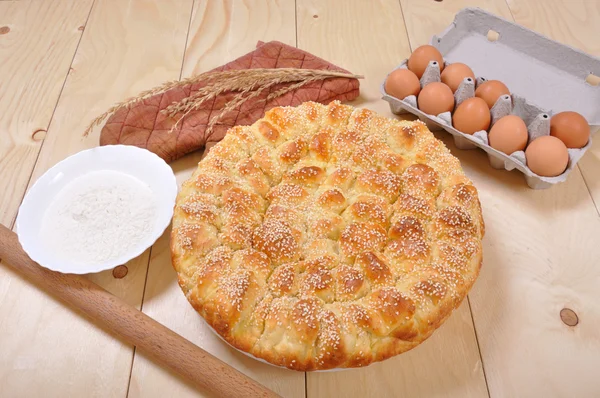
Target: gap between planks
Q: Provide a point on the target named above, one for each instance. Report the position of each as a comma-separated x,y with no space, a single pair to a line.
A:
134,351
485,378
193,6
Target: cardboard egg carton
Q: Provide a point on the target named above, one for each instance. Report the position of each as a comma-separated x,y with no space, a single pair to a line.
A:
543,76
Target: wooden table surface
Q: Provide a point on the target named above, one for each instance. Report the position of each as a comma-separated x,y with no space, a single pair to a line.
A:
63,62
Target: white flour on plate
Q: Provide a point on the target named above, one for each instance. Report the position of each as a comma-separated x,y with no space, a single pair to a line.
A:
98,217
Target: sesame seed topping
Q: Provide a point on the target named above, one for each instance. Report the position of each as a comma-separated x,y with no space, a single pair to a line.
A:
323,226
186,233
234,287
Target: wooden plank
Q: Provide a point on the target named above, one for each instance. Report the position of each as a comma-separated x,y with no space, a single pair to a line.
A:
220,32
37,44
519,303
369,38
47,350
540,256
575,23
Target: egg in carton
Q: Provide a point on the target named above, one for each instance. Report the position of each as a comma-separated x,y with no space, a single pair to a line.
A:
470,24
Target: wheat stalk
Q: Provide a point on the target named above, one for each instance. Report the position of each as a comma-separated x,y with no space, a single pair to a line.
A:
211,91
292,87
128,103
238,100
200,100
247,78
236,80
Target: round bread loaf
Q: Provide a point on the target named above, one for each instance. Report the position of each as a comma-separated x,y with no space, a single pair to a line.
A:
327,237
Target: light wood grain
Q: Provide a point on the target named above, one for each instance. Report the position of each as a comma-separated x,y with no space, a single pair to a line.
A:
162,344
576,23
46,349
37,44
366,38
539,257
548,260
426,18
220,32
370,39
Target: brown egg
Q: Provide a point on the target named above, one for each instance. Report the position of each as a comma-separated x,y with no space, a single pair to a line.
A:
490,91
471,116
509,134
547,156
571,128
436,98
401,83
419,59
454,74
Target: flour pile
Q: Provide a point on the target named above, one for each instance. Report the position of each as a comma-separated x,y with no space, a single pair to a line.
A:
98,217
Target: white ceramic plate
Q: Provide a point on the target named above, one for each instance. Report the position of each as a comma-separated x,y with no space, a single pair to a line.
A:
138,163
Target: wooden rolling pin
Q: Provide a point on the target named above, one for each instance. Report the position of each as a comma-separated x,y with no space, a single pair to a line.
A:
162,344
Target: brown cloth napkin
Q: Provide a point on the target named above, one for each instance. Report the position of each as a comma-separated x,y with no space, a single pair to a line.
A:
143,124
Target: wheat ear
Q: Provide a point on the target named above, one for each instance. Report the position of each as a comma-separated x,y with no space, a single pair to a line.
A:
243,80
238,100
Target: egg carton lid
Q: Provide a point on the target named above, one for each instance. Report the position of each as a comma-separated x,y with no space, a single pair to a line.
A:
549,74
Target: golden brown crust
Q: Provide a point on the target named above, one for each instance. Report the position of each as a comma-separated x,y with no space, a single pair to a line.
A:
327,237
